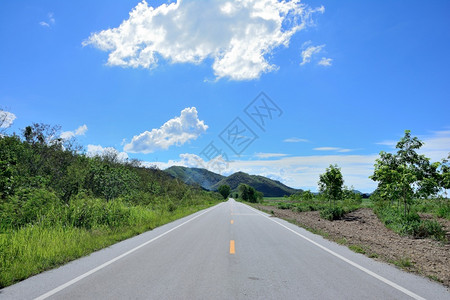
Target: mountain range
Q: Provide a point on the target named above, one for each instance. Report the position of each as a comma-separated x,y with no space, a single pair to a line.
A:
211,181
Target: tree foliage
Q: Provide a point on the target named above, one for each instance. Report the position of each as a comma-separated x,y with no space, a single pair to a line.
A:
331,183
44,177
248,193
224,190
407,175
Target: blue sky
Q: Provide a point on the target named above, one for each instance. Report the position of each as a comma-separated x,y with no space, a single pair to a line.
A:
160,85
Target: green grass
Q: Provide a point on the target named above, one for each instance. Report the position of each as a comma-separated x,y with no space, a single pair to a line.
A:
34,248
403,262
342,241
435,278
410,224
357,249
439,207
275,199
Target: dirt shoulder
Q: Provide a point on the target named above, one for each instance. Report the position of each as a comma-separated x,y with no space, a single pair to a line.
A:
363,232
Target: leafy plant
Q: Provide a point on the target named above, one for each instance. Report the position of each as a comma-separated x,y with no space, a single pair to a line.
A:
333,213
330,184
224,190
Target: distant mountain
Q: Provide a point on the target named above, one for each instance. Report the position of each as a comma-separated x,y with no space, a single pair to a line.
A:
211,181
364,195
202,177
269,187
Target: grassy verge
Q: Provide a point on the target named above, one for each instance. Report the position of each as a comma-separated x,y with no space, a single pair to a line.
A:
410,224
34,248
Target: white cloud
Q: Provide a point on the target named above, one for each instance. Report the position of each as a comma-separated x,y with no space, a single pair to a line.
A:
269,155
50,21
176,131
6,119
81,130
337,149
295,140
345,150
326,62
389,143
97,150
218,164
70,134
237,35
308,53
326,149
436,146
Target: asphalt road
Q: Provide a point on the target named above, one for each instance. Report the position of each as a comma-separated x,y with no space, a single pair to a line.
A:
230,251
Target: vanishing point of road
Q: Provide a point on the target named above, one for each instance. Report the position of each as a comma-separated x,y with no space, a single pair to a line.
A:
229,251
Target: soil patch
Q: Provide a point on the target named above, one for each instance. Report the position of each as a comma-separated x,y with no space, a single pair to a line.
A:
363,232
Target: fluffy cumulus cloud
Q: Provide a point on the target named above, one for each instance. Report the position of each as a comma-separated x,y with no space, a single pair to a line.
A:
6,119
237,35
176,131
70,134
97,150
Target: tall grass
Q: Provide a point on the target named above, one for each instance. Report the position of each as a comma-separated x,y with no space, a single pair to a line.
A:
43,245
410,224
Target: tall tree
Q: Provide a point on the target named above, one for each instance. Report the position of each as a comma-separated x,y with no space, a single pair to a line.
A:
331,183
224,190
406,175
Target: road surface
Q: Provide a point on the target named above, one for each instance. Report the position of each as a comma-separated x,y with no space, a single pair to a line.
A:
229,251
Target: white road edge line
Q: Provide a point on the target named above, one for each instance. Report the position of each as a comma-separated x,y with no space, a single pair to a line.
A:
387,281
82,276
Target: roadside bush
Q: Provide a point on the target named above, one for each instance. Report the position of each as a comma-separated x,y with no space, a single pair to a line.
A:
93,212
283,205
29,206
410,224
301,209
443,211
434,229
334,213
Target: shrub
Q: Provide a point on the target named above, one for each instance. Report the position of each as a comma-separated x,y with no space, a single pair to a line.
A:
410,224
282,205
334,213
28,206
93,212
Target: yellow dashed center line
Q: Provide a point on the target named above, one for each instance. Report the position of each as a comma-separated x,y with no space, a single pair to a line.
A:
232,247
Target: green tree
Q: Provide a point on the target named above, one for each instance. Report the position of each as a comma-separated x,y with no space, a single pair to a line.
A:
406,175
248,193
444,178
243,191
224,190
330,184
307,195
